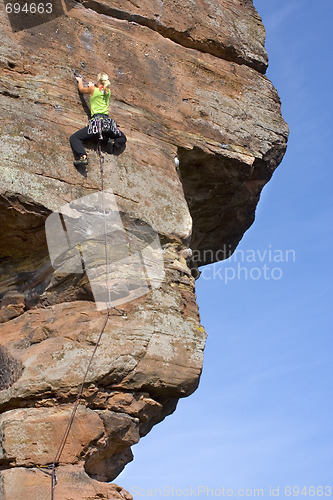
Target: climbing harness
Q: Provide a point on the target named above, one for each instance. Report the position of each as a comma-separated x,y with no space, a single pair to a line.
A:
100,124
50,469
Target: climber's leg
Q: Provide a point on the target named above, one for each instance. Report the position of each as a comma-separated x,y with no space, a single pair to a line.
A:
120,140
76,142
116,142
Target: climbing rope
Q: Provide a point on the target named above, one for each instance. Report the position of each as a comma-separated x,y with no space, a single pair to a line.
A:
57,457
76,404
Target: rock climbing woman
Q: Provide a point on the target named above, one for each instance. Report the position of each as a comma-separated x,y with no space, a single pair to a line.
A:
100,126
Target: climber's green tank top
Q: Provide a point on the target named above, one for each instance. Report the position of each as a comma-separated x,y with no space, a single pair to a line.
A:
99,102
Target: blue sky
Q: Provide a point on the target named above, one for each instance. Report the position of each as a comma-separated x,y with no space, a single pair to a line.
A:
262,416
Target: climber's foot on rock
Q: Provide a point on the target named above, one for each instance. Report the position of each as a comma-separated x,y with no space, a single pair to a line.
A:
81,162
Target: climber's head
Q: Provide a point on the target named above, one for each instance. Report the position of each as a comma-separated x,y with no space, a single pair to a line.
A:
103,81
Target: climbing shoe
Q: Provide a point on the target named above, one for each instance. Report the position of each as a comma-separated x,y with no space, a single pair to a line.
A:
83,161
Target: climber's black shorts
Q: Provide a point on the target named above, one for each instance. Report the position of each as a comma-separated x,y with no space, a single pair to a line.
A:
76,140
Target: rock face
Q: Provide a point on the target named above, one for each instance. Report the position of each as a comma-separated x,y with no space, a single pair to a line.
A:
188,82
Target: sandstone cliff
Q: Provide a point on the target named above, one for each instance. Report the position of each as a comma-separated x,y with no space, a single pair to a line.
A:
188,82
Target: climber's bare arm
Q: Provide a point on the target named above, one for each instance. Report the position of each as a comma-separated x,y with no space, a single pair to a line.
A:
85,90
